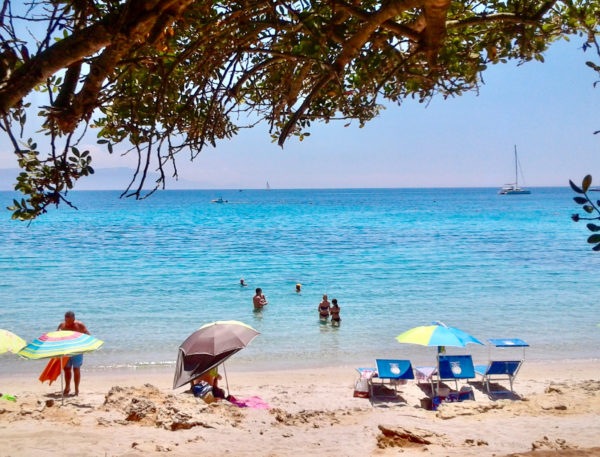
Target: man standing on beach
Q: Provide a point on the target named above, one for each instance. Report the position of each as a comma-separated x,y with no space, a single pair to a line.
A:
76,361
259,299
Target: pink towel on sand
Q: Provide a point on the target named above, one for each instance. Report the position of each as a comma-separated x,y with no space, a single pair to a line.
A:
252,402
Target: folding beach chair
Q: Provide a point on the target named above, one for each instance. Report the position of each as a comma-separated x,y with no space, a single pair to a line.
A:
364,387
500,370
455,368
392,372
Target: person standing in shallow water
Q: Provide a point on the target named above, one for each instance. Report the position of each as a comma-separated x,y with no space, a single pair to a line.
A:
335,312
75,361
259,299
323,308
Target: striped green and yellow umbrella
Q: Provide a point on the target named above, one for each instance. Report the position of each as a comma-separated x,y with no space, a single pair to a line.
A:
9,342
437,334
60,343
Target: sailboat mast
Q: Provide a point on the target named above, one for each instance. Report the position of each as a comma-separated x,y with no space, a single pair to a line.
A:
516,171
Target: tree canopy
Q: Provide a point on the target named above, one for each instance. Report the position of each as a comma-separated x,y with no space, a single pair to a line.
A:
166,76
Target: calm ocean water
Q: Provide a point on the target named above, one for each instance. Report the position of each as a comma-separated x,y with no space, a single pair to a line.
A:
143,275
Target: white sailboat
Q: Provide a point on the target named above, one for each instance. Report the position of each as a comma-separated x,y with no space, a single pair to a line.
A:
513,188
268,187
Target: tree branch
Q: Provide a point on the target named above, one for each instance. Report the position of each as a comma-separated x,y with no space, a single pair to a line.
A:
136,18
509,18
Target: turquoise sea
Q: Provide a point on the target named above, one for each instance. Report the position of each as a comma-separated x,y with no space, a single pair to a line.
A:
143,275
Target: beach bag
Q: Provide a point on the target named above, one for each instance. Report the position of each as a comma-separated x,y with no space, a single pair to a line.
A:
361,388
204,391
466,393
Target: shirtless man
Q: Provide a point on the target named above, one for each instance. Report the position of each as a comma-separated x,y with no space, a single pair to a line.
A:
259,299
75,361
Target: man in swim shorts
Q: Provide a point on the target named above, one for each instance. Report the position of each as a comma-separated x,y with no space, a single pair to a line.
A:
75,361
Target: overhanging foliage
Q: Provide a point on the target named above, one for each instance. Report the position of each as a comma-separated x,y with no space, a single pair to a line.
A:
164,76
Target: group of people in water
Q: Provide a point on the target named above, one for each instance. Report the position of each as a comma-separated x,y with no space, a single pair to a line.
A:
325,308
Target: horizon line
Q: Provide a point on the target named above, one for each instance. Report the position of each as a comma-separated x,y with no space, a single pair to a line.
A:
306,188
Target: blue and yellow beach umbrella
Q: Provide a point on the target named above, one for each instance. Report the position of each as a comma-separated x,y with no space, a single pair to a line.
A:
437,334
60,343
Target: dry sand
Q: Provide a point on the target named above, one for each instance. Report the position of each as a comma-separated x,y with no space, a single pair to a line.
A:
557,413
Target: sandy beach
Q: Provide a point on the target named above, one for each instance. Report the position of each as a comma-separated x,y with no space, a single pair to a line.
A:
313,411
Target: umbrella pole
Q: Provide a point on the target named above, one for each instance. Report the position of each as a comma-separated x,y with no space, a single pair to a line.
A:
226,381
62,390
440,351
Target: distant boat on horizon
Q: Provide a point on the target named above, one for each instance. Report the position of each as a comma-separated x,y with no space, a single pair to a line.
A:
219,200
513,188
268,187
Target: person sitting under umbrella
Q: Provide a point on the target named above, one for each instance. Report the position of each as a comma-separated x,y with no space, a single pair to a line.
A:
211,378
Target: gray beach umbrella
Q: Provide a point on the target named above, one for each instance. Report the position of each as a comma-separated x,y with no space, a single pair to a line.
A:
209,346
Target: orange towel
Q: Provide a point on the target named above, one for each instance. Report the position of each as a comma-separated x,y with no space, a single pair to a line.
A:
53,369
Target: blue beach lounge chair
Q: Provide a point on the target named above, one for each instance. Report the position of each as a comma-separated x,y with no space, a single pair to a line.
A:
499,370
389,371
455,368
393,372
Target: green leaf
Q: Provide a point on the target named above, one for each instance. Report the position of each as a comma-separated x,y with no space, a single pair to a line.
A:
580,200
585,184
593,227
593,239
588,209
596,248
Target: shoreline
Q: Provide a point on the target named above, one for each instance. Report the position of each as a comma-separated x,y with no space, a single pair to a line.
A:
135,413
245,366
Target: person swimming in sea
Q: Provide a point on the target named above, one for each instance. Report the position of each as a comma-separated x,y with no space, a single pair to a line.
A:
323,308
335,312
298,287
242,283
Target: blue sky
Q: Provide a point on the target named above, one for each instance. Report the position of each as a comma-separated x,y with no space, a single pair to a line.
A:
548,110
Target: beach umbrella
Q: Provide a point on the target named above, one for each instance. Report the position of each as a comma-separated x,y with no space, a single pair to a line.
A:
58,344
9,342
209,346
437,334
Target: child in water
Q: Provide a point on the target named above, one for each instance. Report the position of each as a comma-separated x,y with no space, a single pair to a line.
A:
335,312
